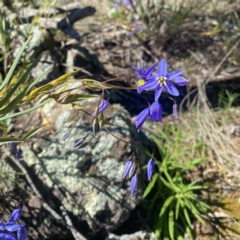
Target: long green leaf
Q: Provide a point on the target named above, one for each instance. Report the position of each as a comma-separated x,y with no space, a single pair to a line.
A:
187,228
11,70
171,223
24,112
196,213
177,209
19,82
187,217
26,136
11,106
36,81
165,205
150,185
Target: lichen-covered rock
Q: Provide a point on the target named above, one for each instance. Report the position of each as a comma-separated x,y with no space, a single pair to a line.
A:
141,235
88,182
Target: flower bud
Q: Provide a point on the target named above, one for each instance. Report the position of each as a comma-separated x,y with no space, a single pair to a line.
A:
127,168
18,153
11,145
65,136
95,126
101,121
16,214
79,142
133,185
99,109
132,170
150,169
175,111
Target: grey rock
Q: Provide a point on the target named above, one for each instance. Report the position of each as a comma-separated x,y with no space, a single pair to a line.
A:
140,235
88,181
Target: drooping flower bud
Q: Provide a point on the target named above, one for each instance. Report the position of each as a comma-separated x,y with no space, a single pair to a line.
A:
132,170
79,142
95,126
18,153
102,106
11,145
133,185
16,214
150,168
175,114
127,168
65,136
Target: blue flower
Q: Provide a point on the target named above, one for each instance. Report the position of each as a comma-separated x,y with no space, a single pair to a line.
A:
143,76
141,118
162,80
7,230
133,184
102,106
127,168
150,168
156,112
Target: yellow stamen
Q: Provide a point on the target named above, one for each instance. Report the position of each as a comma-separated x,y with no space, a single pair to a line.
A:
161,81
141,82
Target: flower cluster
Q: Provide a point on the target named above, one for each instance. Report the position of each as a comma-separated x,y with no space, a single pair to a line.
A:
158,81
13,230
130,171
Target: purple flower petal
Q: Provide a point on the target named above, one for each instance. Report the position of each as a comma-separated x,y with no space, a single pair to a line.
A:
127,168
170,88
158,92
162,68
181,81
7,236
11,227
138,71
22,234
149,85
155,112
174,75
139,89
133,185
16,214
150,169
154,75
141,118
149,70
